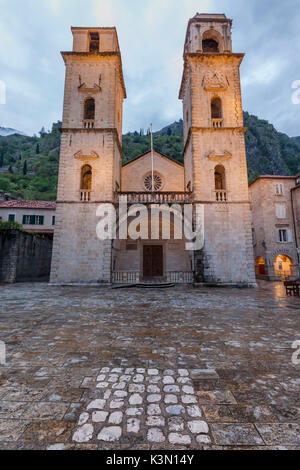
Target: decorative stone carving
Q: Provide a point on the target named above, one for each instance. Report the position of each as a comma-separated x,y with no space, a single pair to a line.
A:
95,89
215,81
81,156
217,155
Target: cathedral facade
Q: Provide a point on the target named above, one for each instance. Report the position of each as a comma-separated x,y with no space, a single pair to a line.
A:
213,177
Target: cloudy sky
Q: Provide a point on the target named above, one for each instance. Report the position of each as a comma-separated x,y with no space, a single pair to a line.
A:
151,35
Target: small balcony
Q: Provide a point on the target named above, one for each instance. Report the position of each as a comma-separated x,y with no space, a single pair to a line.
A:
217,123
85,195
221,195
88,123
165,197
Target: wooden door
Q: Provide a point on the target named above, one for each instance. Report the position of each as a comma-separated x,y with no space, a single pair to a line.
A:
153,265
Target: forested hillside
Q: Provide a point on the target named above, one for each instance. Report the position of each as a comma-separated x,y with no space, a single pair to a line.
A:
29,165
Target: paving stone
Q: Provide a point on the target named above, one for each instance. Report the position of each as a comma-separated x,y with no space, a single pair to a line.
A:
137,388
206,374
222,397
153,389
129,371
138,378
119,386
105,370
153,372
202,439
83,433
188,390
176,424
117,371
120,394
56,447
83,418
233,435
133,425
112,379
280,434
184,380
171,399
168,380
136,399
134,411
116,404
141,371
181,439
102,385
101,378
153,410
169,372
155,435
198,427
110,434
155,398
194,411
183,372
153,379
188,399
97,405
116,417
155,421
175,410
99,416
171,389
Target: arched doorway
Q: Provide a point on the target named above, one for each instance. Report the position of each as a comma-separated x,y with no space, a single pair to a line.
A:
260,268
283,267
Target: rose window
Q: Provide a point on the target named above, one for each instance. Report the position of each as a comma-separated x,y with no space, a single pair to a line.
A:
157,183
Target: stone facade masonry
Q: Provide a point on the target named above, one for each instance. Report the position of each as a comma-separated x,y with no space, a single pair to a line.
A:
227,256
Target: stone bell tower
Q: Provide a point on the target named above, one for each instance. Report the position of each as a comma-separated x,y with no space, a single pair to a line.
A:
90,158
214,154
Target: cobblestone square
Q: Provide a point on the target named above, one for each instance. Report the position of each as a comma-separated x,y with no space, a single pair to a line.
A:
182,368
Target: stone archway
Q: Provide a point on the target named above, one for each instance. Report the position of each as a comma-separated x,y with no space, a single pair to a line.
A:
283,266
260,268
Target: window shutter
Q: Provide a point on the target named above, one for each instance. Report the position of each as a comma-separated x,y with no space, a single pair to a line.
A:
289,236
24,220
42,220
11,217
32,220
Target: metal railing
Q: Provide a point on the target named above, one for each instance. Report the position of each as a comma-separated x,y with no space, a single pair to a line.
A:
125,277
180,277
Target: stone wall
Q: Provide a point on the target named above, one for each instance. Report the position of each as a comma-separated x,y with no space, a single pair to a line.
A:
24,257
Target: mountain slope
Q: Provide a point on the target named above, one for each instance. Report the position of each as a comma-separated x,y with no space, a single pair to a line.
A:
6,131
29,165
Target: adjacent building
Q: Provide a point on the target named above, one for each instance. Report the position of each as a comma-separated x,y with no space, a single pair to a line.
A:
35,216
275,204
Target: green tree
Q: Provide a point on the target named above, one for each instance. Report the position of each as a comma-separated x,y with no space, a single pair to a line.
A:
25,168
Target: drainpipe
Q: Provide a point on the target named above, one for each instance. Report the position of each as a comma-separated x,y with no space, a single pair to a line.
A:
294,223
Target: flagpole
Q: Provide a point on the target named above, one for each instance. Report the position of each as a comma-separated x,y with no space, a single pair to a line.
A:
152,158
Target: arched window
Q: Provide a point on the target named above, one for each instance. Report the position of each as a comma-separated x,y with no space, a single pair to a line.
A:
89,109
220,183
210,45
86,178
216,108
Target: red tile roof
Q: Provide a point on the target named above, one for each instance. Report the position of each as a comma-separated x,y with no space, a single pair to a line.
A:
28,205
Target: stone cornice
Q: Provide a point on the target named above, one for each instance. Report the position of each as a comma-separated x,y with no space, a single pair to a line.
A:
208,58
98,55
110,130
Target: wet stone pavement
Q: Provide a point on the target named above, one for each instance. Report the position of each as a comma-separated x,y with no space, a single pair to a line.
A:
183,368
